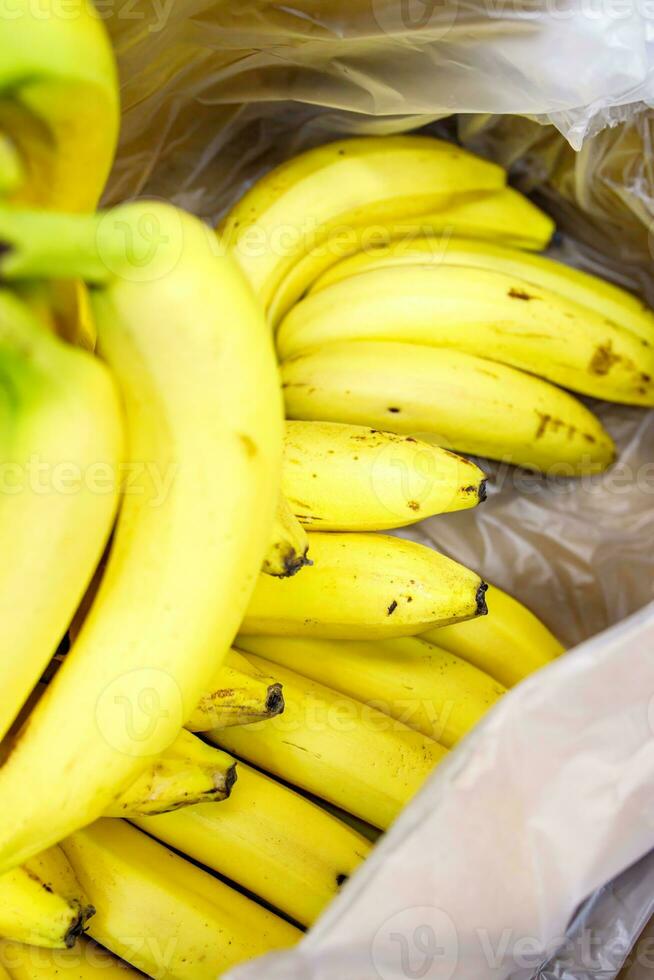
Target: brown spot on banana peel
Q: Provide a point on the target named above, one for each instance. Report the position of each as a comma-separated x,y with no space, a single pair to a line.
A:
392,607
603,359
516,293
413,504
248,444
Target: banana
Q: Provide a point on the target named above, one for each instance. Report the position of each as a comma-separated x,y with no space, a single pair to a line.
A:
608,301
194,363
61,444
59,104
42,903
503,215
426,688
510,644
365,586
269,840
86,961
343,751
352,478
287,552
464,402
162,914
188,772
239,695
338,187
480,311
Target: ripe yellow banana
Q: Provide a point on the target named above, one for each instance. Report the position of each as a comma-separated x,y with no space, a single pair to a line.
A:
343,751
238,695
271,841
464,402
364,586
341,186
503,215
85,961
42,903
510,644
481,311
59,105
162,914
609,301
188,772
61,444
352,478
193,359
426,688
287,551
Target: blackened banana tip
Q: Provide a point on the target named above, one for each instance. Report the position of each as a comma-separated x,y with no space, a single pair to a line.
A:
230,778
275,700
482,608
482,492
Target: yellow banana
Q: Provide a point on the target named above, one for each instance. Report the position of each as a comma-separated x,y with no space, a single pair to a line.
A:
510,644
85,961
352,478
609,301
238,695
346,752
42,903
188,772
364,586
287,552
195,366
464,402
269,840
503,215
162,914
339,186
59,106
481,311
61,443
426,688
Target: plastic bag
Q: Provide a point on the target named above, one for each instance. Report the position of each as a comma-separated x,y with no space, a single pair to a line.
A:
553,795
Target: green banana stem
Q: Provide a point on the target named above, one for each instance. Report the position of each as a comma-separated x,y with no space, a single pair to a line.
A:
46,245
12,173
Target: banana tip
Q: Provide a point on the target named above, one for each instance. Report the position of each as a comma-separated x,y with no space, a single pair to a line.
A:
275,700
294,562
482,493
482,608
77,928
230,778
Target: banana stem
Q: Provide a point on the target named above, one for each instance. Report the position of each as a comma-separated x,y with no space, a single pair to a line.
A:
46,245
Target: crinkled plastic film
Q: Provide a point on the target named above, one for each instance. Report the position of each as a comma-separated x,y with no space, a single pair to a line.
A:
553,795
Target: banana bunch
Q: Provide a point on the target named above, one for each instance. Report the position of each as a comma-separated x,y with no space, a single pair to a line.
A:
194,516
436,319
